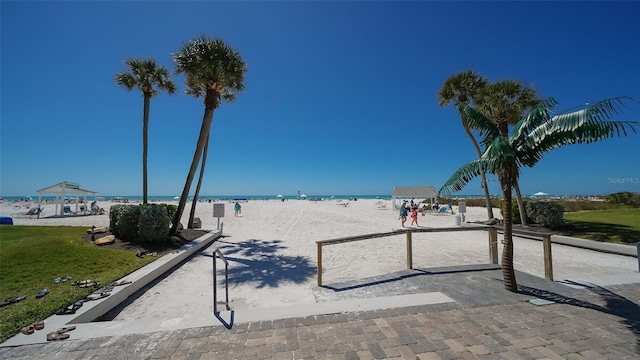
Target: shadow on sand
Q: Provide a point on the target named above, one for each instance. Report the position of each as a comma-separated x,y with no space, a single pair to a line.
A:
259,261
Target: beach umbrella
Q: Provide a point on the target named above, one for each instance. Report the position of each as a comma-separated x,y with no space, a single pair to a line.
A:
540,193
303,196
279,196
176,198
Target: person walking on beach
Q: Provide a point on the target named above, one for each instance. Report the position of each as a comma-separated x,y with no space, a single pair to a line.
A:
238,208
414,216
403,213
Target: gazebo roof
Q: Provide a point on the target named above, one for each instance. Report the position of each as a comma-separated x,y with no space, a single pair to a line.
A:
414,191
65,187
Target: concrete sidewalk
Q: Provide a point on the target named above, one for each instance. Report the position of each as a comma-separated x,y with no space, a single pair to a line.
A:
483,321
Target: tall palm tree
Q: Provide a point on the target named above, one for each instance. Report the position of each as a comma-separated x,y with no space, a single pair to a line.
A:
146,76
215,72
192,214
533,136
462,88
507,101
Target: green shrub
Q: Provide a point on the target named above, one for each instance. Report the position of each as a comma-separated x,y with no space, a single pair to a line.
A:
147,223
114,219
515,211
129,220
624,198
545,213
171,211
154,223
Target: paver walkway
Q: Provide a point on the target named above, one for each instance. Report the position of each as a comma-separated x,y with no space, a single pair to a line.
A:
586,323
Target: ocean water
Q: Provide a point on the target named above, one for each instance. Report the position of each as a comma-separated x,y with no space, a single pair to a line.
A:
169,198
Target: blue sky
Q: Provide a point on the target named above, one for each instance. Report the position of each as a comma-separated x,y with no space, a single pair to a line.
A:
341,97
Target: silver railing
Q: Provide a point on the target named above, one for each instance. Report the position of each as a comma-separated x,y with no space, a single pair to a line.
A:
217,254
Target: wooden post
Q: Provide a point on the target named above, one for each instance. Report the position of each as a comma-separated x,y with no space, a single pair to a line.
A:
409,251
493,246
548,263
319,264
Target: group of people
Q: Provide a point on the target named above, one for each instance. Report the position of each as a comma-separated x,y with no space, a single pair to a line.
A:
407,208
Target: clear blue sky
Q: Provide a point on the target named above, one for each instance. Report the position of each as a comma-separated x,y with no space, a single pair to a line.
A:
341,97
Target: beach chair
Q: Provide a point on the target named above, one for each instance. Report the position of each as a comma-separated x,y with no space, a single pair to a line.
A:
446,210
19,215
35,212
67,210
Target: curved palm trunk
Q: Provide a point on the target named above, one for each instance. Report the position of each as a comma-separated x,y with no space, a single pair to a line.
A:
202,140
145,145
508,273
197,193
521,208
482,174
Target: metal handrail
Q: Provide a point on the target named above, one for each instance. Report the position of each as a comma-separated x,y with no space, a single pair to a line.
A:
215,281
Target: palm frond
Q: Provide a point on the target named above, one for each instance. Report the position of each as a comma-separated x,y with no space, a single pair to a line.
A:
475,120
586,125
467,172
210,64
125,80
144,74
536,116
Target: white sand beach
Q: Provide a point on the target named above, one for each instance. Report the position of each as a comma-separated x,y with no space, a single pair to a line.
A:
272,253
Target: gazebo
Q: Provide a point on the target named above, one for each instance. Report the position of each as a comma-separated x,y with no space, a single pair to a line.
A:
409,192
68,188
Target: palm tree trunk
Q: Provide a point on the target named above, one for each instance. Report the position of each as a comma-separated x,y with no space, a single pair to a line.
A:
202,140
145,145
482,174
523,212
197,193
508,273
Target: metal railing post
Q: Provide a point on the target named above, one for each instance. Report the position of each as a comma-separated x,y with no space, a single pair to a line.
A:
217,253
409,251
215,285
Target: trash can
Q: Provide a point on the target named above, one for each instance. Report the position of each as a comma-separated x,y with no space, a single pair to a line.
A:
458,219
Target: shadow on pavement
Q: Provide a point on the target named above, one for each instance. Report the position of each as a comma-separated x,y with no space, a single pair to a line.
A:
611,303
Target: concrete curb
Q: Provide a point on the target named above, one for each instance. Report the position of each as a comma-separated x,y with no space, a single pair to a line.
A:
619,249
629,250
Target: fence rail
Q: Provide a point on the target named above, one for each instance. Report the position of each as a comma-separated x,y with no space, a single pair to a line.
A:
492,237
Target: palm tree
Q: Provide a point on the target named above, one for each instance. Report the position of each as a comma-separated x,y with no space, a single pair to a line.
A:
533,136
462,88
145,74
192,213
215,72
507,101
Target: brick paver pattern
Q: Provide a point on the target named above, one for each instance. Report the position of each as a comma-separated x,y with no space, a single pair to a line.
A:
603,324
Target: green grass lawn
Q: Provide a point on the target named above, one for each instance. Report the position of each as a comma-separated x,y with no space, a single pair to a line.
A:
614,225
31,257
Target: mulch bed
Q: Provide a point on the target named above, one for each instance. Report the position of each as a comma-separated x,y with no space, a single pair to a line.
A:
174,242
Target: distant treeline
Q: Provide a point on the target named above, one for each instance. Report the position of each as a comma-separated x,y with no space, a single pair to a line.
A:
612,201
